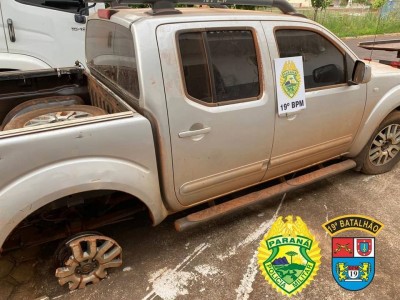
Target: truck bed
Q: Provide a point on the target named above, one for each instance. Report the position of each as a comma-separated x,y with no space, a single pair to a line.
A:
387,45
19,87
89,159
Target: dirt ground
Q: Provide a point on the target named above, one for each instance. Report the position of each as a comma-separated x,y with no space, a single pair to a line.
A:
218,261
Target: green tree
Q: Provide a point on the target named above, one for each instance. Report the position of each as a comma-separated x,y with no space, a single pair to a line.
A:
319,5
378,3
291,254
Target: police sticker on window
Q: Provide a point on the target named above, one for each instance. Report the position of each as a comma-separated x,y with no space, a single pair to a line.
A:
290,84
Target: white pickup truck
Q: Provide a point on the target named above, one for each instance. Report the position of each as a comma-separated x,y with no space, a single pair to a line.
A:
39,34
179,108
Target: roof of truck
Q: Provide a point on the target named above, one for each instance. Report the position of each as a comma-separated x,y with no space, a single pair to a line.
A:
127,16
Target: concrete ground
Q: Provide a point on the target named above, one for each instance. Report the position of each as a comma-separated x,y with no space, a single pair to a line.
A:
219,261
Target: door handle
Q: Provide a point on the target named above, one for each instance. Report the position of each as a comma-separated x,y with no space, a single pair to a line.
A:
11,31
185,134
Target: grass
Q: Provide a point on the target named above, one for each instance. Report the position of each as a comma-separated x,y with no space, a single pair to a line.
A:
353,24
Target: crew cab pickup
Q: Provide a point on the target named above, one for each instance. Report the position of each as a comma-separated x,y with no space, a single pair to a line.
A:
180,108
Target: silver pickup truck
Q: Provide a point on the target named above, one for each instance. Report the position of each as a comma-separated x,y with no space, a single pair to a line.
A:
179,108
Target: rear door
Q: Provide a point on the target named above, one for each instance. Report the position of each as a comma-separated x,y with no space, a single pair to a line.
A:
45,29
220,100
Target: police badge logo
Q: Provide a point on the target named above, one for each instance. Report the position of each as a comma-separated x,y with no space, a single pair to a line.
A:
290,79
353,258
289,256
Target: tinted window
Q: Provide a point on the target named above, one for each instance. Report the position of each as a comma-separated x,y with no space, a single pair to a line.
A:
220,66
323,63
110,52
194,61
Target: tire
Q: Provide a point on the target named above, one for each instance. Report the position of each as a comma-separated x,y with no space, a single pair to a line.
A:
51,115
382,151
40,103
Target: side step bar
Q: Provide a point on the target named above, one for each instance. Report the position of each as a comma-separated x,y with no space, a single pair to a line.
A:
237,204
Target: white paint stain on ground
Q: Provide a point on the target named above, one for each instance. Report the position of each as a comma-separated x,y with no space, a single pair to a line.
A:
326,218
368,178
170,283
207,270
246,284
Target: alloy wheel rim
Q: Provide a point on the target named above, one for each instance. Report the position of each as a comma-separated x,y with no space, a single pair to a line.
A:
90,258
55,117
385,146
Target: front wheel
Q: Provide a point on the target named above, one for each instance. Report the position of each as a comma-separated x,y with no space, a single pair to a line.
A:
381,153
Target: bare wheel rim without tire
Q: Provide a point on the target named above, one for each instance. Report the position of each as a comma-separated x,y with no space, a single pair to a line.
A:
385,146
91,257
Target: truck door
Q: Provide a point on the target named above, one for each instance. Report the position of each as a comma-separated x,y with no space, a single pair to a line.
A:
220,102
45,29
334,108
3,43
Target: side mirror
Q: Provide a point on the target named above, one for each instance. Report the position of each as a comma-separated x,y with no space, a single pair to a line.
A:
361,73
80,19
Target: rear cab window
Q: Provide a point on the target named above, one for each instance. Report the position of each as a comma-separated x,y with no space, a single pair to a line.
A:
219,66
110,54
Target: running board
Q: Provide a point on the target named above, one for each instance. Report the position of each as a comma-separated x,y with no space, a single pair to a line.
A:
237,204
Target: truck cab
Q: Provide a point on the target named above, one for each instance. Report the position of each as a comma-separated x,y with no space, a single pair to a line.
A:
39,34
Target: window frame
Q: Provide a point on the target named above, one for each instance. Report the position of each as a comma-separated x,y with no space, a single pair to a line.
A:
208,59
26,2
329,39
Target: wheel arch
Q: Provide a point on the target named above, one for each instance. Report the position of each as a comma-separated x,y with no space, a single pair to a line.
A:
27,194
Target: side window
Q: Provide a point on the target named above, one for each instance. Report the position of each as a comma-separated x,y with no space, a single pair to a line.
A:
72,6
110,52
220,65
324,64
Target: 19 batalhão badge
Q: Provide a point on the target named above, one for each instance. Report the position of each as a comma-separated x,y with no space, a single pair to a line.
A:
289,255
353,258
